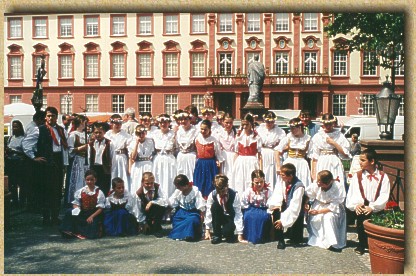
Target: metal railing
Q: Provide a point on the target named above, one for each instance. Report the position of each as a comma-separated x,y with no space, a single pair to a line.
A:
398,185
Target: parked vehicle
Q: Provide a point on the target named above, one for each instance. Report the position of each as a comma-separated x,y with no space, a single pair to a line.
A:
367,128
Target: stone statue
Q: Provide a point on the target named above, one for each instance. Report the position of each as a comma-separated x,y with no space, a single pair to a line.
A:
256,75
37,98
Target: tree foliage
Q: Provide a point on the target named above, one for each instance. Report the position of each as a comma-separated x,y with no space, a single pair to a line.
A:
382,33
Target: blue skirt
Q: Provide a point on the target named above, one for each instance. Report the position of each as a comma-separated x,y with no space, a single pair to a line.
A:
257,225
186,224
205,171
119,223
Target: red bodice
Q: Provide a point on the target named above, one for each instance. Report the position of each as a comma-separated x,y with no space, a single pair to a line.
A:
206,151
251,150
89,202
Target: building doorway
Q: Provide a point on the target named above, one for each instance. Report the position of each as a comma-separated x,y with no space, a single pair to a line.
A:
281,100
312,102
224,101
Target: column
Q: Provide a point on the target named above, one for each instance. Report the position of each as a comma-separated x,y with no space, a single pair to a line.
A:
296,41
267,41
237,111
296,100
240,43
266,99
325,102
325,43
211,43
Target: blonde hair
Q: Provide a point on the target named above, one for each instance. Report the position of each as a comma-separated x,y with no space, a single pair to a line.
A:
220,181
147,175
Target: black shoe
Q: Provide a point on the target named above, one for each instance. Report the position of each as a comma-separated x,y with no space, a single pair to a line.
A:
359,250
231,239
281,245
216,240
333,249
188,239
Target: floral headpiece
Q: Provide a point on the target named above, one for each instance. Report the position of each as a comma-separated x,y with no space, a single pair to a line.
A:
141,129
207,109
329,121
116,121
182,115
295,124
145,117
266,117
162,118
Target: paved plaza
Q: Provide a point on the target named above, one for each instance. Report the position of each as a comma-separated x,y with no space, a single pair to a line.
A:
32,248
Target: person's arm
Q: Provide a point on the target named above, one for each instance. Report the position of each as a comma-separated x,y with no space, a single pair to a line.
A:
208,217
90,219
289,216
238,218
381,201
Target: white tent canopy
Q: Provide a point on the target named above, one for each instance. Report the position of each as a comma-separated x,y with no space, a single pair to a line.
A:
19,109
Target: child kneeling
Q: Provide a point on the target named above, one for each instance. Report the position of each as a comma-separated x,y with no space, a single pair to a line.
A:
223,214
188,203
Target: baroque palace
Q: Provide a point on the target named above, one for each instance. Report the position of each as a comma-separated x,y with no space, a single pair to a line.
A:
159,62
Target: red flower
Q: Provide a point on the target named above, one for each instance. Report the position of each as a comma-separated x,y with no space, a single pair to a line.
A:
391,204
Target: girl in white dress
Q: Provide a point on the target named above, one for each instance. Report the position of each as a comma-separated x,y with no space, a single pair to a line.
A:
226,138
270,135
248,155
141,151
120,140
326,148
164,164
297,144
185,138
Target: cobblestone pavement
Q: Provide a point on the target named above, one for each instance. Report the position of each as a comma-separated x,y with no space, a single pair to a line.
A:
31,248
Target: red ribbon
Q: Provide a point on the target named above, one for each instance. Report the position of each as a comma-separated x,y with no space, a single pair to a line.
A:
372,176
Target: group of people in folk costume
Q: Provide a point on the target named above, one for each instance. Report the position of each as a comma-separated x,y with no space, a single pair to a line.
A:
248,180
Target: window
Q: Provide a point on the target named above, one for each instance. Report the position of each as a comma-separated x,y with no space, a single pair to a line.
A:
367,104
118,103
171,24
91,25
145,103
282,63
281,22
40,27
398,69
66,104
310,63
15,67
37,63
91,103
198,64
198,101
15,27
144,24
226,22
401,106
310,21
198,23
171,65
15,99
118,66
91,63
118,23
368,60
171,103
66,66
340,63
225,64
145,65
339,105
45,100
253,22
65,26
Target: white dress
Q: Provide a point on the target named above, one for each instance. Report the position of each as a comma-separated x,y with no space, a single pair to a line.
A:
328,229
270,140
187,152
164,164
142,164
245,163
302,167
227,142
320,150
119,164
79,167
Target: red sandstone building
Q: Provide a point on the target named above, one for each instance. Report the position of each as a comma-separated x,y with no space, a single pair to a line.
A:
164,61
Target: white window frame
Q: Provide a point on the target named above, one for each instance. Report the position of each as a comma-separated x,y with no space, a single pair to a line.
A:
226,62
15,67
145,103
401,106
145,64
198,23
226,22
198,101
117,102
282,63
339,104
66,106
65,26
92,25
118,65
119,25
198,64
41,27
171,64
15,28
171,24
38,61
171,103
311,21
253,22
281,22
367,104
399,70
66,66
91,102
91,66
145,24
366,61
340,63
310,63
45,100
15,99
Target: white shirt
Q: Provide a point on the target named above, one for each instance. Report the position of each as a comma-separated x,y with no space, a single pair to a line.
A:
127,198
193,200
137,210
100,198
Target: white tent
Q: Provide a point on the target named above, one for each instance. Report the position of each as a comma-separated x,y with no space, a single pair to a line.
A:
19,109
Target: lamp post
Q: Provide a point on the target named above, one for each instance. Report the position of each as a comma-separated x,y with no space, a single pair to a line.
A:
386,105
68,100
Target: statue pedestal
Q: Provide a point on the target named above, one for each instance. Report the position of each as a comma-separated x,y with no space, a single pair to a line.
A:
255,108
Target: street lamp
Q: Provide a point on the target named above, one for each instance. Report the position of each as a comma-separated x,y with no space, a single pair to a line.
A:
68,99
386,105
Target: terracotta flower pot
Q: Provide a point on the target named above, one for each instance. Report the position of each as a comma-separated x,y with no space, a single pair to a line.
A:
386,247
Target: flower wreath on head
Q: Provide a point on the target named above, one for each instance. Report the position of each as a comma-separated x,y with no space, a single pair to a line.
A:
141,117
295,124
207,109
116,120
163,118
329,121
142,129
182,115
